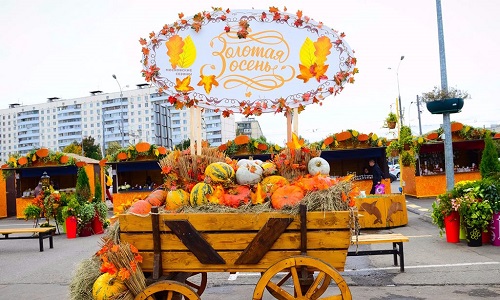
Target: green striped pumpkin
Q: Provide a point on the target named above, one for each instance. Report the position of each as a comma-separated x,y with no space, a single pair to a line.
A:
220,172
199,194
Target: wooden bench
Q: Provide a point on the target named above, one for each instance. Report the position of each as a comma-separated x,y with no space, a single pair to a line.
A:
396,239
42,233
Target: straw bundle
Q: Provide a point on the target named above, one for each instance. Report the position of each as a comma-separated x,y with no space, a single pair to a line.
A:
86,273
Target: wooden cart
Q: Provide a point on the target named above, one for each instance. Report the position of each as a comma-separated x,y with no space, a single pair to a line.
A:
270,242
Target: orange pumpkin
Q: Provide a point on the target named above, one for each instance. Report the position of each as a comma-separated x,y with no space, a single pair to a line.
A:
103,162
497,135
262,147
157,198
288,195
456,126
121,156
80,164
142,147
432,136
162,150
64,159
223,147
22,161
342,136
328,141
272,183
176,199
241,139
140,207
363,137
237,196
42,152
217,195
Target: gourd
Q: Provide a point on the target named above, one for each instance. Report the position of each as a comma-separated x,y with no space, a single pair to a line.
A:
157,198
318,165
268,168
242,162
288,195
219,172
249,173
107,286
176,199
199,193
271,183
237,196
141,207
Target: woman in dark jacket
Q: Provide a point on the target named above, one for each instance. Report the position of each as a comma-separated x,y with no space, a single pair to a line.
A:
377,174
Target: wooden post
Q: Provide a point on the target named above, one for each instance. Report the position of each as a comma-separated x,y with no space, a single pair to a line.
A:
288,126
157,263
296,121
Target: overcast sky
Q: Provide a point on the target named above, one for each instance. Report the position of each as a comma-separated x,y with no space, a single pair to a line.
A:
66,48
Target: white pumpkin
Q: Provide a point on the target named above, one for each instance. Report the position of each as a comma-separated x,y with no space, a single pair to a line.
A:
245,161
249,173
318,165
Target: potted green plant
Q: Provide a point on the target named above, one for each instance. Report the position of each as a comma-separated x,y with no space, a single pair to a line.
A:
445,216
440,101
476,214
32,212
85,214
408,159
391,120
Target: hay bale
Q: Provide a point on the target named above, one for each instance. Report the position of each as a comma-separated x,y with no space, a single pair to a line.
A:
86,273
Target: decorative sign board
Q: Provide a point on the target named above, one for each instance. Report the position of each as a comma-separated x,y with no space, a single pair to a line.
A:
247,61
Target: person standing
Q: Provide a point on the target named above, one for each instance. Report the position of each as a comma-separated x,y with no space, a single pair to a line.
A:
38,189
377,174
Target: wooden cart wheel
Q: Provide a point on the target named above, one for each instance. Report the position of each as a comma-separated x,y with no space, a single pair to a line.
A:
293,267
192,281
170,289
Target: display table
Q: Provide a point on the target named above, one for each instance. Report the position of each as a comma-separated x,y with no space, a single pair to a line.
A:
431,185
21,204
382,211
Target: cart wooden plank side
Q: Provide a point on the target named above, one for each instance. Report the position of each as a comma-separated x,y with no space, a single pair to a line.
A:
243,242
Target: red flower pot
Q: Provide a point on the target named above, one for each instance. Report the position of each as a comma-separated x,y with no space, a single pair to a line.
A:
97,225
71,224
452,227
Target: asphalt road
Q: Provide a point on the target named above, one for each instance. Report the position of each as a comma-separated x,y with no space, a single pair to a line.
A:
434,269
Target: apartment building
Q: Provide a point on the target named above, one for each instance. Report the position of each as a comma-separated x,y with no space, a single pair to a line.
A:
126,117
250,127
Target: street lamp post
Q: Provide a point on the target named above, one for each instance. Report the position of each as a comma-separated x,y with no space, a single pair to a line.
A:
399,94
121,108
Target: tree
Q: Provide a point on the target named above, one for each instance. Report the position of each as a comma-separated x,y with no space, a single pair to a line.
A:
73,148
82,186
489,161
183,145
90,149
113,147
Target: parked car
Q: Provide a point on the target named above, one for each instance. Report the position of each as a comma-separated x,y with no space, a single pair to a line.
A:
394,170
392,177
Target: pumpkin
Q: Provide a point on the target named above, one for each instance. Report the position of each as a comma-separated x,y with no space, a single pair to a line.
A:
342,136
107,286
157,198
288,195
250,173
271,183
241,139
142,147
199,193
176,199
219,172
432,136
456,126
22,160
121,156
315,183
80,164
363,137
162,150
262,147
328,141
242,162
259,196
102,162
318,165
218,195
237,196
42,152
140,207
268,168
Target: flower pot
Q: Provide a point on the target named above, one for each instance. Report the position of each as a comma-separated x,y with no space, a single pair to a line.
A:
474,237
485,237
495,229
452,227
453,105
86,230
463,233
71,224
97,225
